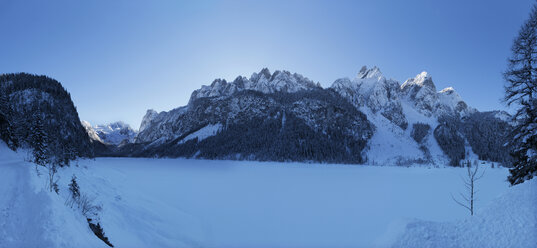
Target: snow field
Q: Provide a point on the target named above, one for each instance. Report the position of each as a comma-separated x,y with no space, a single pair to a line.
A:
200,203
173,202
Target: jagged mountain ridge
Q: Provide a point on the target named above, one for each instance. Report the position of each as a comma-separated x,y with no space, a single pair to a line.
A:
390,108
315,125
264,81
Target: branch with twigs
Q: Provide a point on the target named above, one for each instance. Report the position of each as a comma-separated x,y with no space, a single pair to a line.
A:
469,183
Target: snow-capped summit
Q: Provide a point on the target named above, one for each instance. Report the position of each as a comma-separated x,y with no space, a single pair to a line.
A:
263,75
113,133
369,73
264,81
422,80
451,101
421,92
370,88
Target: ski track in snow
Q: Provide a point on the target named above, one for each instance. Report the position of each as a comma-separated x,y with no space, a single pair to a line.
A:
20,217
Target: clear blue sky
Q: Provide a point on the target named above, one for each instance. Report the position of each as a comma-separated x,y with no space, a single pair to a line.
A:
120,58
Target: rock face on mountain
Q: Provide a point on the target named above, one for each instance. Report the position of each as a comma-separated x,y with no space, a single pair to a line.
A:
422,93
25,98
284,125
287,117
91,132
372,90
279,81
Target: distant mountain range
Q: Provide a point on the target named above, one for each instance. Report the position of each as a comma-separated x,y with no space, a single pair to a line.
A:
283,116
116,133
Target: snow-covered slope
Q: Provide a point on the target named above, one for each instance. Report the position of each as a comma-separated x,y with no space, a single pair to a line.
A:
203,133
32,216
91,131
508,221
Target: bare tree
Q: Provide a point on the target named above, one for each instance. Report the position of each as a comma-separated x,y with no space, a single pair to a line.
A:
469,183
53,182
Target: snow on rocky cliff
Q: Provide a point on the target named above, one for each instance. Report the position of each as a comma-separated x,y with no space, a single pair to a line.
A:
372,90
391,107
263,81
421,91
113,133
91,132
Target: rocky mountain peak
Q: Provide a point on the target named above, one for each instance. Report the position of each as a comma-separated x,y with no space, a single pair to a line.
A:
149,116
264,81
369,73
422,80
218,82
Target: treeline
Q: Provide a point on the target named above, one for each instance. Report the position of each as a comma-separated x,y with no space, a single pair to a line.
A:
488,135
450,140
484,133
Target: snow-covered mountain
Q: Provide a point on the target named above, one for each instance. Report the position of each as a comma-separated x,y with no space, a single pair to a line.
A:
404,123
422,93
279,81
113,133
91,132
38,106
372,90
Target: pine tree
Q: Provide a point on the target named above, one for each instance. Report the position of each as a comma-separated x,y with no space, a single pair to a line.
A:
74,189
6,128
39,141
525,152
521,91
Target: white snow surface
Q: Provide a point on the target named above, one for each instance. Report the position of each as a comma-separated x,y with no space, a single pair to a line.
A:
203,133
508,221
30,215
199,203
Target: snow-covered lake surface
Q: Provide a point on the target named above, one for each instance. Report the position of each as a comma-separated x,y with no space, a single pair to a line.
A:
198,203
252,204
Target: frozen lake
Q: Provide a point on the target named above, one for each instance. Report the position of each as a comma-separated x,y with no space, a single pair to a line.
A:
165,202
